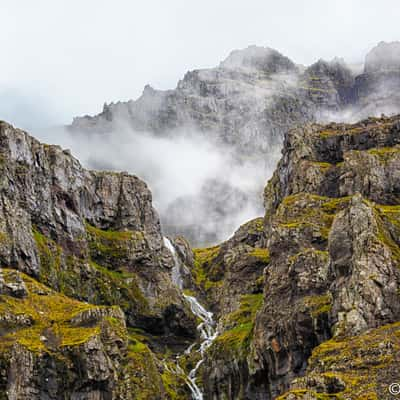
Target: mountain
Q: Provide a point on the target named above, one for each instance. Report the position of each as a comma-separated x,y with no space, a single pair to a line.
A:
321,320
85,271
255,93
244,106
97,304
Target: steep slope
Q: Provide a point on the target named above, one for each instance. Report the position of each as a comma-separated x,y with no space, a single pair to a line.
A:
90,290
328,314
84,233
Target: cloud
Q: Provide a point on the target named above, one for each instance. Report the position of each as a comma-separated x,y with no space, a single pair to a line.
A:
200,188
80,54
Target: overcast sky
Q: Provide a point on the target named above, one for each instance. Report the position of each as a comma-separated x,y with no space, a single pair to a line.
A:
62,58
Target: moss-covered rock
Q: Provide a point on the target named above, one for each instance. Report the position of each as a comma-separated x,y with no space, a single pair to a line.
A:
360,367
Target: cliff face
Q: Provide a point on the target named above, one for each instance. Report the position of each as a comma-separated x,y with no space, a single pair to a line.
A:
94,237
331,287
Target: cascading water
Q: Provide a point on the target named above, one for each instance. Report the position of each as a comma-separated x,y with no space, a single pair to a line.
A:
176,270
207,334
206,327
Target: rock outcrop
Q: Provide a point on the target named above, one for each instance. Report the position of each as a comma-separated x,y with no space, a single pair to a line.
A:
91,235
329,308
89,302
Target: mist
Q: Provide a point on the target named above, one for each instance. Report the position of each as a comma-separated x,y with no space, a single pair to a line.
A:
200,188
53,73
205,184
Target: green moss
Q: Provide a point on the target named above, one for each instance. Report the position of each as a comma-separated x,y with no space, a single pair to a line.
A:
236,338
49,312
388,221
362,362
87,279
4,238
239,326
174,383
117,326
254,226
148,378
307,211
135,346
206,270
334,205
326,133
384,153
304,394
319,304
206,255
112,247
119,288
261,254
50,258
323,254
324,166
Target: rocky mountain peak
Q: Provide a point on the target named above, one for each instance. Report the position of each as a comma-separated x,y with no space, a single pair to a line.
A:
248,103
257,58
383,57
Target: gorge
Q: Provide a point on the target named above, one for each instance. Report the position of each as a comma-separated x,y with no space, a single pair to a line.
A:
100,299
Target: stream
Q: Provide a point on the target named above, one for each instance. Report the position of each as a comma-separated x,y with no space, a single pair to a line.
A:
206,327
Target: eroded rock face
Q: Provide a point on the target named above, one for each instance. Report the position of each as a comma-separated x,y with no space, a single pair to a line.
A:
89,307
331,286
92,235
61,351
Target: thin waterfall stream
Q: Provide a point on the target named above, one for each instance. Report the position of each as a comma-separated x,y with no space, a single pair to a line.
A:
206,327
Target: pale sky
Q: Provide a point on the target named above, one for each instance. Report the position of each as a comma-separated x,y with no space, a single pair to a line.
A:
62,58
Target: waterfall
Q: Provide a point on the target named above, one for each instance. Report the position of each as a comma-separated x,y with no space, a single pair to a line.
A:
206,327
207,334
176,269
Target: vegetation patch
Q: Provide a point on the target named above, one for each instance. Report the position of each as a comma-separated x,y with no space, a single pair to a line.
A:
318,305
50,258
50,313
112,248
385,154
87,279
388,220
260,254
206,270
362,363
238,327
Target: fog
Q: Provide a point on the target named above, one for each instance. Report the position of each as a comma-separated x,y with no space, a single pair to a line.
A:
75,55
65,59
199,187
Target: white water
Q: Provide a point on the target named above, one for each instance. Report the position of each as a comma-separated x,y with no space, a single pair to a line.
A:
176,270
206,326
207,334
